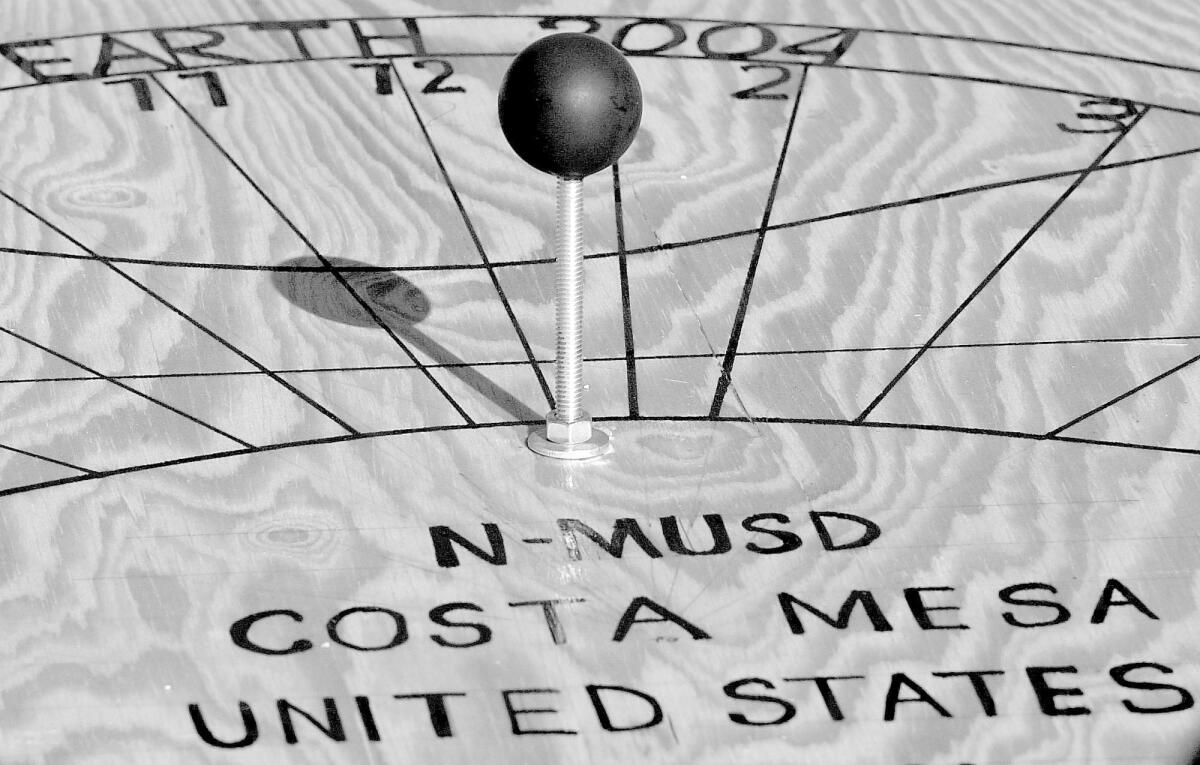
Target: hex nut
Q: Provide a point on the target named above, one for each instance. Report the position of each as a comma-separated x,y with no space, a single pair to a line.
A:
568,433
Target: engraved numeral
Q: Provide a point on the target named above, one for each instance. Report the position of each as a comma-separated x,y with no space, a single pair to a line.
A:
141,91
213,83
383,76
844,37
445,70
1105,120
759,91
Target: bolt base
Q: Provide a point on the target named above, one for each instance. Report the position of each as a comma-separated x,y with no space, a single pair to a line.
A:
596,446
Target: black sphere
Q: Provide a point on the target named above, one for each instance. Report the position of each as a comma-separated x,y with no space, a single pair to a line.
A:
570,105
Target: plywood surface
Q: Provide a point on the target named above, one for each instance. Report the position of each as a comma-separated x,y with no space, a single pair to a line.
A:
891,311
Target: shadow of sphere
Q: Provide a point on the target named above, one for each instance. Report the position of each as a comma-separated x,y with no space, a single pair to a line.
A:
394,299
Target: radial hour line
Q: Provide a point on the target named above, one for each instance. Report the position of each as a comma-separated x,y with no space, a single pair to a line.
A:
123,386
1000,266
740,317
483,256
626,309
43,458
1125,395
178,312
362,302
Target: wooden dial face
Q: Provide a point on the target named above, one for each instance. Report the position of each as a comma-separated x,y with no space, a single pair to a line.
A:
893,329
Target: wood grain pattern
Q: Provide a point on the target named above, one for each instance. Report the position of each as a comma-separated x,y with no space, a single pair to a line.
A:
275,357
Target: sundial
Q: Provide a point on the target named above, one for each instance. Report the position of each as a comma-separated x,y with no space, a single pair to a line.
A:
891,316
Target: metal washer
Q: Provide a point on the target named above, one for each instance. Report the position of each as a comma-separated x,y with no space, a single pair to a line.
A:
596,446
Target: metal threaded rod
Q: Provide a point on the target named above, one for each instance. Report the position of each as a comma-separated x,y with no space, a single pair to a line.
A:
568,434
568,253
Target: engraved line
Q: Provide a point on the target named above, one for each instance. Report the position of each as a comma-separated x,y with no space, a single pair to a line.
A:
740,317
51,460
483,256
626,308
1124,396
123,386
696,419
237,167
177,311
1000,266
596,359
629,251
698,19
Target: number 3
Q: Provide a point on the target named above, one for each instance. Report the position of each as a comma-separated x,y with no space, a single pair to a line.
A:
1117,120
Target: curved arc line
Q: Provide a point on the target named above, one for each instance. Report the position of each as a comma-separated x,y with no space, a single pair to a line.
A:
700,19
361,436
633,251
784,62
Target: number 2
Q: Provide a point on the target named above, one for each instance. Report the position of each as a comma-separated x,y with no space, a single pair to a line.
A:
435,85
757,91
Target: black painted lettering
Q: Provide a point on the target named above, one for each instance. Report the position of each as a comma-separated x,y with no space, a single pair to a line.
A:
650,31
901,681
1008,595
1120,674
141,91
920,609
383,76
1106,115
550,614
202,49
216,93
623,529
435,704
828,56
441,72
399,628
514,713
444,538
788,541
878,621
32,66
716,530
734,691
367,717
239,632
979,685
483,634
630,618
294,28
654,708
823,684
411,36
113,48
1046,695
870,531
332,726
761,91
1108,599
765,42
249,725
590,25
